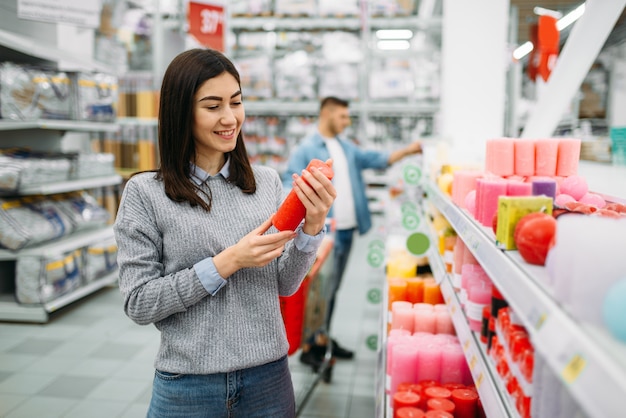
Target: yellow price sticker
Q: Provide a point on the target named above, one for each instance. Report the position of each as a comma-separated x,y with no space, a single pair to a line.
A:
452,309
466,344
479,380
573,369
472,363
542,319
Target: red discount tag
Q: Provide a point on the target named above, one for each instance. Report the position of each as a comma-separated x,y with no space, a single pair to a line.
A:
206,24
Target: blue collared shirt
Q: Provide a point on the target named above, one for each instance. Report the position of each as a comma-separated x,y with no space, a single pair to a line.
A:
358,159
206,270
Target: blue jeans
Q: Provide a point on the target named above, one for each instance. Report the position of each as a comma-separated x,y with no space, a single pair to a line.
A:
341,253
258,392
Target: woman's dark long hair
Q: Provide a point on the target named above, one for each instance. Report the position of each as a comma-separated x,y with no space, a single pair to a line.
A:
185,74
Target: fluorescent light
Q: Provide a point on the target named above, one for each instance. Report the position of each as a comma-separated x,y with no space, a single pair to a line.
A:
394,34
524,49
571,17
395,45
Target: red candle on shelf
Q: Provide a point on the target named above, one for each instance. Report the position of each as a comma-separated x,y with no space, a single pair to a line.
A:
402,399
438,414
437,392
409,412
465,402
440,404
291,212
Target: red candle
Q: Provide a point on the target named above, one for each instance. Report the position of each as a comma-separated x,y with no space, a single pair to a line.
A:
465,402
409,412
402,399
291,212
440,404
437,392
438,414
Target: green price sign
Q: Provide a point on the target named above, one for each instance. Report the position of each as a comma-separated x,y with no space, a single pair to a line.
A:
418,243
375,257
374,296
372,342
412,174
410,221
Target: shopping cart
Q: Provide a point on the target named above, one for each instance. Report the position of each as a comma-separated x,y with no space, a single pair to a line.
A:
304,314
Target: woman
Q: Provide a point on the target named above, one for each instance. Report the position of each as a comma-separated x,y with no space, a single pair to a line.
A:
197,256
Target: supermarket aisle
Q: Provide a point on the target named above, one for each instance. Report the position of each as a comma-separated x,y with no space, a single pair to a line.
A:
91,361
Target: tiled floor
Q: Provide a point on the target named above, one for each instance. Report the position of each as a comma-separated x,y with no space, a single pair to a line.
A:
91,361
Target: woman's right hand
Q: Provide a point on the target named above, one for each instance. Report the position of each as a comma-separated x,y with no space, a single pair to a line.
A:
256,249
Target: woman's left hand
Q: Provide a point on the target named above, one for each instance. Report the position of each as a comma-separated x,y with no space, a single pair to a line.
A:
317,194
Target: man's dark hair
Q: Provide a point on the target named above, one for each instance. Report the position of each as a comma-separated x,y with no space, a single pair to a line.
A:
331,100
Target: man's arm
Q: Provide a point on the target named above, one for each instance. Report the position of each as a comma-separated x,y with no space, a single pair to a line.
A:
412,148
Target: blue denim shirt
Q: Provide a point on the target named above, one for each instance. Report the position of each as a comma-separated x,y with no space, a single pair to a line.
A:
358,159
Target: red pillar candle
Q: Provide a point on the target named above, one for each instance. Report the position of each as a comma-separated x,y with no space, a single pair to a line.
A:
437,392
415,289
409,412
440,404
402,399
438,414
465,402
291,212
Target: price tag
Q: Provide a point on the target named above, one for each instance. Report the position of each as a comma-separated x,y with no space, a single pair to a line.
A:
573,369
479,380
537,318
472,362
453,310
466,344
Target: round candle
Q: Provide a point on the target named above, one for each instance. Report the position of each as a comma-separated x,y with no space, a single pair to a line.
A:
422,306
439,404
443,323
392,341
478,296
403,365
409,412
404,399
424,321
432,292
415,289
429,363
546,152
453,363
487,193
464,182
438,414
518,188
465,401
524,157
500,156
292,211
396,290
437,392
402,315
568,156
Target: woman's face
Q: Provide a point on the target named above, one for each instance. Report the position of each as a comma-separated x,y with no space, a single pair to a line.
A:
218,114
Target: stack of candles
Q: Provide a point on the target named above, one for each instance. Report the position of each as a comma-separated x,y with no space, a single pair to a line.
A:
417,357
421,317
430,399
515,167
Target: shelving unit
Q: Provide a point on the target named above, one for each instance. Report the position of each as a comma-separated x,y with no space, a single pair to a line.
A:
590,364
29,44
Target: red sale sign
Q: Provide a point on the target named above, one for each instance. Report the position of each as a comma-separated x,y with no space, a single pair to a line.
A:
206,24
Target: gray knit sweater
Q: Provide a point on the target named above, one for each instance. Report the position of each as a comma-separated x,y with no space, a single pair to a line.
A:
159,241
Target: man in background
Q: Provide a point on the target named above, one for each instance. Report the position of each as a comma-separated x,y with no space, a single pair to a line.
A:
350,210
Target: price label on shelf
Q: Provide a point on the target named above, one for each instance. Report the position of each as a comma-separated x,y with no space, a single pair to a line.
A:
574,368
479,380
466,344
472,362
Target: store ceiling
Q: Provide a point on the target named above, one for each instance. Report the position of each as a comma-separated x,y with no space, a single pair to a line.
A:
526,17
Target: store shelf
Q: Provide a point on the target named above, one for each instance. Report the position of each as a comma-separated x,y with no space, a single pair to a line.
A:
70,185
62,245
311,107
35,48
487,381
350,23
591,369
13,311
59,125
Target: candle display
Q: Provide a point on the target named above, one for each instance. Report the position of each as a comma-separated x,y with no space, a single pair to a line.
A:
291,212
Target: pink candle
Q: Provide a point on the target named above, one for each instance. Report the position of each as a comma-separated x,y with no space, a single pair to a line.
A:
464,181
443,323
568,156
424,321
402,315
546,152
392,341
518,188
453,363
487,193
500,156
404,365
478,296
429,363
524,157
423,306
